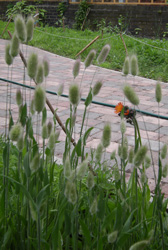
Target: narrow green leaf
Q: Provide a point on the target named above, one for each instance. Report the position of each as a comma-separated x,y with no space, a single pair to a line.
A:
73,155
160,170
52,173
44,115
85,231
118,217
57,225
46,180
30,128
11,123
89,98
26,164
78,147
23,116
7,238
66,127
101,206
54,118
5,156
35,147
127,224
109,219
2,204
47,152
86,135
60,241
33,210
100,244
67,223
41,196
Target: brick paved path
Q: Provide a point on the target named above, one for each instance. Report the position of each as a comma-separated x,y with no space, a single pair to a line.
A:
111,93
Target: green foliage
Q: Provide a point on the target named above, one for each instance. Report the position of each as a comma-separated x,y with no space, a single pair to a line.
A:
61,9
60,12
104,27
81,14
23,7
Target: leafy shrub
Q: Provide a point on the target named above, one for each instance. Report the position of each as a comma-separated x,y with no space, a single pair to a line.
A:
81,14
23,7
61,11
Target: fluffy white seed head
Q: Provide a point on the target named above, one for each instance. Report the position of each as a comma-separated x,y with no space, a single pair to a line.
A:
103,54
30,28
14,49
20,28
8,57
89,59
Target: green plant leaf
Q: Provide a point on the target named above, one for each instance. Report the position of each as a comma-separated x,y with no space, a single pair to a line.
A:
100,244
127,224
101,206
86,232
78,147
44,115
33,210
2,204
86,135
41,196
46,180
52,172
67,223
73,155
26,164
7,238
6,156
89,98
35,147
57,225
160,170
109,219
23,116
47,152
30,128
118,217
11,123
66,127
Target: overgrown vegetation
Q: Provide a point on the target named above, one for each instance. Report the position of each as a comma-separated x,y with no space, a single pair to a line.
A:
85,203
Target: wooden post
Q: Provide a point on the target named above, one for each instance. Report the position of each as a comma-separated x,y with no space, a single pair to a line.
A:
94,40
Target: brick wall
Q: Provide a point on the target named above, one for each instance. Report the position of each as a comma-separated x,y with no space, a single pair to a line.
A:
151,20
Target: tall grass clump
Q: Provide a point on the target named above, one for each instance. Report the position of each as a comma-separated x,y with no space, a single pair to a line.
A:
85,202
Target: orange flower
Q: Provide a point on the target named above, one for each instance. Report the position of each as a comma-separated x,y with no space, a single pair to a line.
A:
118,107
